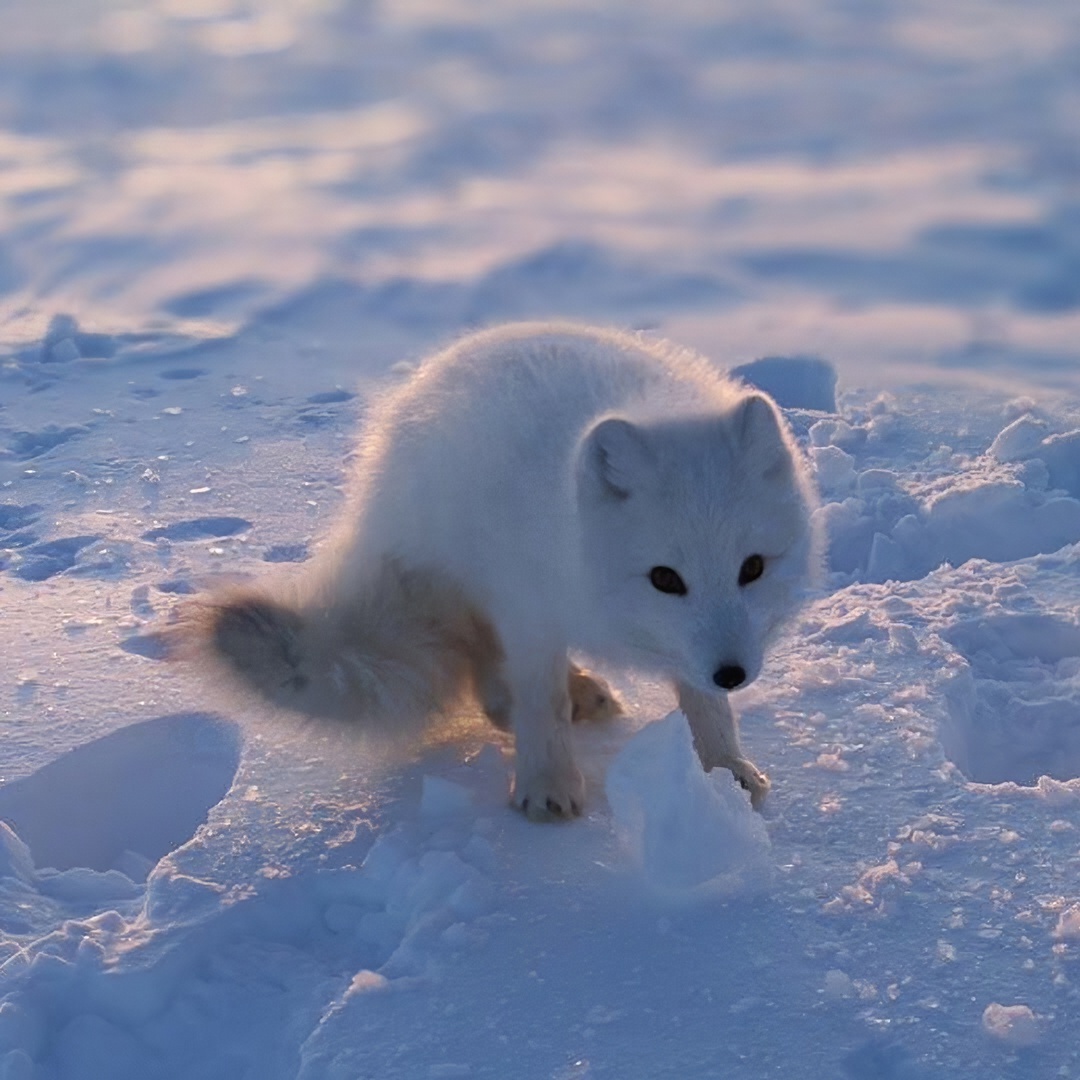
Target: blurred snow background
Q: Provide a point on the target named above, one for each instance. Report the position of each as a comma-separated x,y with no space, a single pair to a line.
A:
878,181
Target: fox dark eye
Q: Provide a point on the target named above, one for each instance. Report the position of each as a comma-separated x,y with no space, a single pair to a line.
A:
667,580
751,569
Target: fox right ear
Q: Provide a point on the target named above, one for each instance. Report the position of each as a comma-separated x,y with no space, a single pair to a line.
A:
758,429
616,456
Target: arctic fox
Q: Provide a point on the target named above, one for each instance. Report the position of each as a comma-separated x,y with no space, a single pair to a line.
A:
534,489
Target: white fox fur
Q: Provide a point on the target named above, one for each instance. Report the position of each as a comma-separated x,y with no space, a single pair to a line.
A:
512,499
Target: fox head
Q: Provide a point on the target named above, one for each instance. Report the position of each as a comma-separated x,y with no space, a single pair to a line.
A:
696,538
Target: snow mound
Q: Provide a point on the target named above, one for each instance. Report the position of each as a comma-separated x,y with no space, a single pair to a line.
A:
1015,499
794,382
1028,439
688,831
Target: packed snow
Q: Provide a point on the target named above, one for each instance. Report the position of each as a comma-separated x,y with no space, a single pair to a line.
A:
224,225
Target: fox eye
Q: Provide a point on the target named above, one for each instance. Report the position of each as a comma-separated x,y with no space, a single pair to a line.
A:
752,568
667,580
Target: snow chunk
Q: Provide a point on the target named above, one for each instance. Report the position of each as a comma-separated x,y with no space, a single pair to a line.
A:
835,468
794,382
836,432
1015,1025
83,884
16,1065
888,561
443,798
363,982
1018,440
15,858
1026,438
999,521
1068,924
1061,453
21,1025
688,830
874,480
838,984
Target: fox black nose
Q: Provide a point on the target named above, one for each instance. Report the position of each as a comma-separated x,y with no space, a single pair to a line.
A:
729,676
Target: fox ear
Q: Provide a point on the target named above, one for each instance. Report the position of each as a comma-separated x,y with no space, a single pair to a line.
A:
758,430
617,457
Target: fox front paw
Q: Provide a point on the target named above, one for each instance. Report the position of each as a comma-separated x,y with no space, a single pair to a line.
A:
751,778
591,698
551,794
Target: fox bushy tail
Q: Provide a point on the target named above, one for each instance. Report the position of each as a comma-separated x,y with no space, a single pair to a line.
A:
387,655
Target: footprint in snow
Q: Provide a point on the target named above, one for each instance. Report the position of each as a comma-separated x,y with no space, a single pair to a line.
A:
31,444
14,517
176,587
204,528
331,397
144,789
286,553
1018,718
140,602
153,646
39,562
18,540
183,374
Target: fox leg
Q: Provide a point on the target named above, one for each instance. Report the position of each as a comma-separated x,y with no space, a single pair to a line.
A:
547,783
493,693
716,739
487,662
590,698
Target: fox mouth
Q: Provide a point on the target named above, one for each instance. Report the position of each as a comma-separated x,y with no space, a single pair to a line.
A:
646,653
705,682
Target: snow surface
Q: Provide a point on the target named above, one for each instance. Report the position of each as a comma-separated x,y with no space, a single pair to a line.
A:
222,224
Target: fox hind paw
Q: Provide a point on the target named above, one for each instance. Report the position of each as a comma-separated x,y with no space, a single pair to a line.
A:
547,797
591,698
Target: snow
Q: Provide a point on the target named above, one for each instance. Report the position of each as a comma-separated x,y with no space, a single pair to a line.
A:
689,831
1016,1025
224,225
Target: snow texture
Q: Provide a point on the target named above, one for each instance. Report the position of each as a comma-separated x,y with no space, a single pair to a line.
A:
224,226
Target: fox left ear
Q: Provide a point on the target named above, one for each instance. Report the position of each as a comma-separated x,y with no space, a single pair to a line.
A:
616,457
759,432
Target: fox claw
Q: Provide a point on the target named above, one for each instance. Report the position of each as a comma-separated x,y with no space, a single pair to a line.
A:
752,779
563,804
552,811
